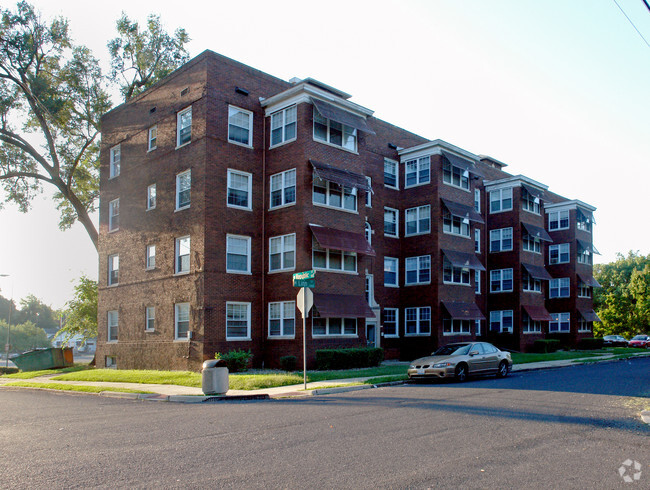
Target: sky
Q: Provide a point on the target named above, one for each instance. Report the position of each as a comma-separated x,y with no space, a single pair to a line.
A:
556,89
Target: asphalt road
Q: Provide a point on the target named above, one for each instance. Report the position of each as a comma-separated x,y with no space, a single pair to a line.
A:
562,428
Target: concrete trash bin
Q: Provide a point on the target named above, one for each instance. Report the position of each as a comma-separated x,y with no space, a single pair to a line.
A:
214,377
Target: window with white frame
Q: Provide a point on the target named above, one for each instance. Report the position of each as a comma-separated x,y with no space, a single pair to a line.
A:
531,243
501,240
184,127
418,172
283,125
560,322
477,200
477,240
113,320
150,259
151,196
500,200
454,326
334,133
558,220
454,275
369,192
333,260
390,174
239,189
182,265
455,176
477,281
370,289
110,362
368,232
113,269
390,318
238,254
501,321
114,215
477,327
391,222
528,325
152,139
559,288
330,327
584,325
150,318
455,225
391,266
328,193
114,169
417,320
501,280
584,256
584,221
240,126
238,321
559,254
530,284
418,220
282,252
418,270
183,189
584,291
181,321
283,188
282,319
529,202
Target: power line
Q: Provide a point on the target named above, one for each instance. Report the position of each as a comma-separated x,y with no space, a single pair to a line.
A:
630,21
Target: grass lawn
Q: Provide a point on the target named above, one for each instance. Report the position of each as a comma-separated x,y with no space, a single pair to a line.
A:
182,378
65,387
518,358
36,374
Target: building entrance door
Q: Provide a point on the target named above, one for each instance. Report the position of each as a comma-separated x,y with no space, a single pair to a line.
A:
371,334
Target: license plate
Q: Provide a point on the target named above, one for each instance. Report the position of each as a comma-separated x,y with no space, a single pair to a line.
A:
420,371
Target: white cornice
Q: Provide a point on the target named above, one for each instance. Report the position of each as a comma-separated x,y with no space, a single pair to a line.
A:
302,92
514,181
435,147
561,206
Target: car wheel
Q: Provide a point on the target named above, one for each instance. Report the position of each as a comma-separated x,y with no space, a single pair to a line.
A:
503,370
461,373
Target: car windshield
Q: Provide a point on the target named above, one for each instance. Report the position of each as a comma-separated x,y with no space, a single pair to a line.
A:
640,337
453,350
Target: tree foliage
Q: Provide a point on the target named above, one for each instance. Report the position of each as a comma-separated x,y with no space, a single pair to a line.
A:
623,303
81,312
35,311
24,336
51,99
141,57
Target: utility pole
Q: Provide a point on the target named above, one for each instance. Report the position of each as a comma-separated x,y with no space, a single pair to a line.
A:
11,304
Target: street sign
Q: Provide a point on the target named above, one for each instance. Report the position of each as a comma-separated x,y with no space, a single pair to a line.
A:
306,279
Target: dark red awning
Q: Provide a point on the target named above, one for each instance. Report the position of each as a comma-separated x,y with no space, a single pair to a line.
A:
462,211
533,191
342,306
537,313
339,176
459,162
342,240
589,280
588,246
537,232
537,272
328,111
463,311
589,315
462,259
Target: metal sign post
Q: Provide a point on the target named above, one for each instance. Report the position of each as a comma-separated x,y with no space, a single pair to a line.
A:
305,300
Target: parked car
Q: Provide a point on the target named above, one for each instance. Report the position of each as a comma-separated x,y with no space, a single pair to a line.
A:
640,341
460,360
614,341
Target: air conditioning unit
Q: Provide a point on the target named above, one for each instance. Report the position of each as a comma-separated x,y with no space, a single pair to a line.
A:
190,334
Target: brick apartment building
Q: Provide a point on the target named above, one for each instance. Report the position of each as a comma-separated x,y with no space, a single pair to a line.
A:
221,181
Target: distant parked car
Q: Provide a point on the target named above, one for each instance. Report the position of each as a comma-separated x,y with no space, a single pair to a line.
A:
460,360
640,341
614,341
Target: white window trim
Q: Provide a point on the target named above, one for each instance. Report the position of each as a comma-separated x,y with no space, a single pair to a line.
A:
559,247
284,141
557,214
284,204
178,128
417,221
502,209
250,126
396,213
328,252
282,252
559,287
111,268
417,270
396,335
336,335
248,254
178,193
396,261
282,319
114,165
454,332
501,315
418,162
532,239
501,240
327,140
352,191
477,240
477,199
462,220
155,199
249,190
148,317
501,280
248,321
116,326
147,266
149,147
189,322
177,256
396,165
453,268
112,216
559,321
451,183
526,325
418,321
477,281
369,192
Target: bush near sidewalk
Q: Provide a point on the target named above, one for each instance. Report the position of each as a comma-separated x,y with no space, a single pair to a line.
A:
327,359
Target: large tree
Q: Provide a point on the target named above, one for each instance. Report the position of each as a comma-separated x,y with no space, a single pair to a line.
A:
141,57
51,99
81,313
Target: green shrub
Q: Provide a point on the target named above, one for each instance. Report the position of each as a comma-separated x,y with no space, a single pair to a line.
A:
352,358
590,343
544,346
236,360
8,370
288,363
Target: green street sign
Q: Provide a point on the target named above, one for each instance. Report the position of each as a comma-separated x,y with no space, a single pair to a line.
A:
306,279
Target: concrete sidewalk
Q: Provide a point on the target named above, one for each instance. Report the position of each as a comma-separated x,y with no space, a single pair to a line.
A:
186,394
